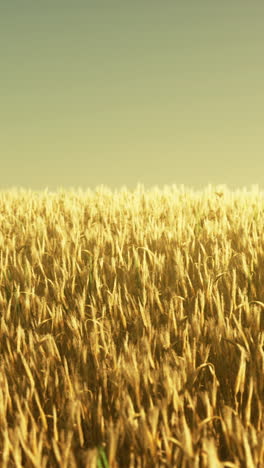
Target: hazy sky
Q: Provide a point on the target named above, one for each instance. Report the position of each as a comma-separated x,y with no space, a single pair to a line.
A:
120,92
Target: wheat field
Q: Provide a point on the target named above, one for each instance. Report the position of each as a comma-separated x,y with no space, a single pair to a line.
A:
132,328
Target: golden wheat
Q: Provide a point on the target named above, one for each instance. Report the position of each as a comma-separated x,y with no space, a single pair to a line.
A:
132,328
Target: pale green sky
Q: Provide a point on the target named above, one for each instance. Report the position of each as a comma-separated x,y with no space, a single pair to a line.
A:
121,92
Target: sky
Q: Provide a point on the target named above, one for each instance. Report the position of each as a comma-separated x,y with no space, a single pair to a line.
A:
117,93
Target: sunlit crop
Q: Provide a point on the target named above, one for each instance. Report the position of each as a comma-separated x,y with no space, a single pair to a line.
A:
132,328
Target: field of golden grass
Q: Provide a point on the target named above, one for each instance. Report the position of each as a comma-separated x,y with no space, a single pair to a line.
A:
132,328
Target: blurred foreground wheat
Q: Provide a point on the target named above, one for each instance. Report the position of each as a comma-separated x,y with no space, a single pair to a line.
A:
132,328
